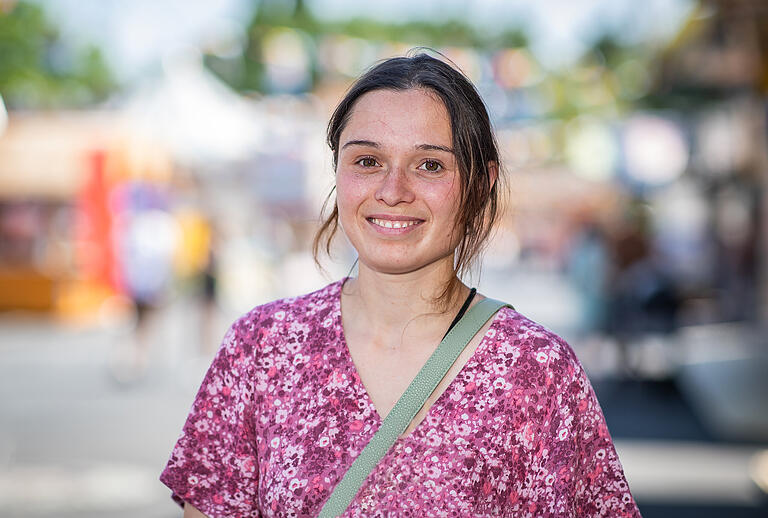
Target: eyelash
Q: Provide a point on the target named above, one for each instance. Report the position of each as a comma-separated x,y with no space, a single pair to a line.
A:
433,162
360,160
441,167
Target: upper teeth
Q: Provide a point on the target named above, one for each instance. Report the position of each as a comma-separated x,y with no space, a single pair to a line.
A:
393,224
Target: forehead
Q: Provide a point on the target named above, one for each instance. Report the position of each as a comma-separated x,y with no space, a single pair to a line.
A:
412,117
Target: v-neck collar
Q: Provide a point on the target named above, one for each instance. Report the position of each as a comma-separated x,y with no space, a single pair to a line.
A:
357,382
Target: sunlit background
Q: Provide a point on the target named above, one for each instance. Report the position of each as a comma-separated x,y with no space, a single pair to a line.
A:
163,168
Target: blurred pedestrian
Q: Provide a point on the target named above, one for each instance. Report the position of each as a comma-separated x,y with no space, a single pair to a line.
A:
643,298
146,237
588,267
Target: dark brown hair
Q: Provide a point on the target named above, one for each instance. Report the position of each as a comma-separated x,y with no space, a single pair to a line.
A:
474,147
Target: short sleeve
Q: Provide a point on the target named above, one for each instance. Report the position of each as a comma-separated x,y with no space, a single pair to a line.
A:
583,460
213,466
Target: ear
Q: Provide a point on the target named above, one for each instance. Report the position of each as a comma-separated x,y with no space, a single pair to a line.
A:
493,171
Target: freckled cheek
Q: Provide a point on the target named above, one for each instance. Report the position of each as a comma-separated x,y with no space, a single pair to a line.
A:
441,198
350,195
352,186
444,207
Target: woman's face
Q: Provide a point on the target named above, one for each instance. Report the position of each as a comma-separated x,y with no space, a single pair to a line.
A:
396,180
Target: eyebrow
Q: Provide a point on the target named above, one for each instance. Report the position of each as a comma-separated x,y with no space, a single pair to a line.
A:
434,147
423,147
367,143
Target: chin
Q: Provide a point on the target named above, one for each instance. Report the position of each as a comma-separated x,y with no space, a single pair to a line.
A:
393,270
400,265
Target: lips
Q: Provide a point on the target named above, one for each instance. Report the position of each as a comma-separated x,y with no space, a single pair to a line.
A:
388,223
396,223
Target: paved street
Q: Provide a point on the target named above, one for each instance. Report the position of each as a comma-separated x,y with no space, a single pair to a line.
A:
74,441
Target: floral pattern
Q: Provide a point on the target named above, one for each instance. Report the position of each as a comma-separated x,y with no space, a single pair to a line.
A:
282,413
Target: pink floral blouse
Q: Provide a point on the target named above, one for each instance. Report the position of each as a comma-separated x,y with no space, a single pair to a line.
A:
282,413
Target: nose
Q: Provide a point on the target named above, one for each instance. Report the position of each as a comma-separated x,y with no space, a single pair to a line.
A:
395,187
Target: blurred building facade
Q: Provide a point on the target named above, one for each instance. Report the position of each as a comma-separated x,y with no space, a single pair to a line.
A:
655,150
635,225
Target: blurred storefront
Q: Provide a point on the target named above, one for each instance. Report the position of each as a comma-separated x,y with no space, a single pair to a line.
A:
710,226
715,74
98,207
58,218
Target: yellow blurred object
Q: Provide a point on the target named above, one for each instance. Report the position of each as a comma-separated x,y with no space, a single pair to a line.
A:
194,244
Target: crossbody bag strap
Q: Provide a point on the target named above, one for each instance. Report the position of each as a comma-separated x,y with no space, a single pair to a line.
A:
409,404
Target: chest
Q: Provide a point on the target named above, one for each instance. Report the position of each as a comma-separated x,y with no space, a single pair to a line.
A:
464,453
386,375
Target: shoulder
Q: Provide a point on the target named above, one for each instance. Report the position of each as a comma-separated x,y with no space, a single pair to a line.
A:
535,346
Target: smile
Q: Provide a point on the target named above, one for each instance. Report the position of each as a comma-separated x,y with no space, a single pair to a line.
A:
387,223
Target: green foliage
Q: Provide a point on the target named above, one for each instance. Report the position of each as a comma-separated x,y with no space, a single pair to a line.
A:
247,72
39,70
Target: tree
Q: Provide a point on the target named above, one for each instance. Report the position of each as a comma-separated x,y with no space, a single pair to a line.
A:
40,69
246,71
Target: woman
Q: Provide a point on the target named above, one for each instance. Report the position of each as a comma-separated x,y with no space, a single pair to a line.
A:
300,385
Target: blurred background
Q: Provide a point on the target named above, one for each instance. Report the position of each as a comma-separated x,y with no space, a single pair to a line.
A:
163,168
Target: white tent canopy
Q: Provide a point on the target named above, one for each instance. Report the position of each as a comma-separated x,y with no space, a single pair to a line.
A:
198,117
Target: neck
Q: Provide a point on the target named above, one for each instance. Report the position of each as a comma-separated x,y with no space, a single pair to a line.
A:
384,307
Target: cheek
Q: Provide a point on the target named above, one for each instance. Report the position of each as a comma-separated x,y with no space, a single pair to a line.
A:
444,202
349,195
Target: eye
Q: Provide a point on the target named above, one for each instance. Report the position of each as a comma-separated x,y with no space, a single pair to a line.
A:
367,161
433,166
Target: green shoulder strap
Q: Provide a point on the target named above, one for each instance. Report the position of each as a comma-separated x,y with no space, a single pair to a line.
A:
409,404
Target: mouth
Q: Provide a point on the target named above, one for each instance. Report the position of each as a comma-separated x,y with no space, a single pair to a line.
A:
388,223
391,225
